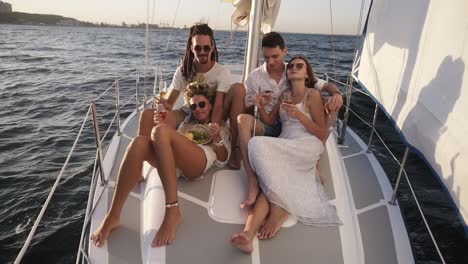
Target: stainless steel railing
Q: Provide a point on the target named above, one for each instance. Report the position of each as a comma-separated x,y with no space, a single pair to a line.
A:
349,88
82,256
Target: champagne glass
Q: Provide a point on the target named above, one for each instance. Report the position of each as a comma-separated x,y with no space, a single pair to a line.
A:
162,89
161,112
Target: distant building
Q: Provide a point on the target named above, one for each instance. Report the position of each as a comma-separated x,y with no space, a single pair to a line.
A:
5,7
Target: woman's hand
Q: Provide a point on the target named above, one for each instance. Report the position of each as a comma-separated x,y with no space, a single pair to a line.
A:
158,117
291,110
163,101
214,131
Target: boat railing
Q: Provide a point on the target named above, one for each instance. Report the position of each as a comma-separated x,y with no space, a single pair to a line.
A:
349,89
97,167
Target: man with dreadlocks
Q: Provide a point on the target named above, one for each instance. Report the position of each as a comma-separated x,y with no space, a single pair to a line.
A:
201,58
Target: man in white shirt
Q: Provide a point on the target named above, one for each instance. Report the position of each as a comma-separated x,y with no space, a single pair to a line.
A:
200,58
270,81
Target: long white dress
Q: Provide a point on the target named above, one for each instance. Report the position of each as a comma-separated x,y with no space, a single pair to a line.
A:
286,168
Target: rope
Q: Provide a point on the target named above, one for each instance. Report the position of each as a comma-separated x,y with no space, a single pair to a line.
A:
229,42
172,28
332,38
44,207
146,49
352,87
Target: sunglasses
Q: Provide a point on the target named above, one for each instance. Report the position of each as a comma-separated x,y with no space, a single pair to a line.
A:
206,48
201,105
295,65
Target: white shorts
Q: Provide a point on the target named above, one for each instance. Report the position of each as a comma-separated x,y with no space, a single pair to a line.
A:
210,160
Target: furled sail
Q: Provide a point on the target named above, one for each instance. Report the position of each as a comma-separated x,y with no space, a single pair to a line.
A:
240,17
413,62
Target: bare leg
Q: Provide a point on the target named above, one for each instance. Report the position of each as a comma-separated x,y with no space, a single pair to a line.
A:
139,150
245,124
169,144
274,222
234,104
257,215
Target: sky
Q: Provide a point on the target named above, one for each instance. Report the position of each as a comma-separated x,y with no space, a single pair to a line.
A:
299,16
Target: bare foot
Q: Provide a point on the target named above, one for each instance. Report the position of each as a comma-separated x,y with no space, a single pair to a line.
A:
234,162
252,193
242,242
275,220
168,229
100,236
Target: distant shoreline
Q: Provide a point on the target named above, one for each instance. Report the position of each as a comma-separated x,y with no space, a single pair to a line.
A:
21,18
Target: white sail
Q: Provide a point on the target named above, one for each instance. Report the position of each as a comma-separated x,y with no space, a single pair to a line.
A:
413,62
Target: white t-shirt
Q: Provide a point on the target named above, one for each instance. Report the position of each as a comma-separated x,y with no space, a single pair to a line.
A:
218,77
259,81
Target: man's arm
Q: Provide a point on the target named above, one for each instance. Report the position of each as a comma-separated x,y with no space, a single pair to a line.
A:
171,99
337,97
217,112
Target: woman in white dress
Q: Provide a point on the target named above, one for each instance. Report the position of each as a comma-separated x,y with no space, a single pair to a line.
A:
286,166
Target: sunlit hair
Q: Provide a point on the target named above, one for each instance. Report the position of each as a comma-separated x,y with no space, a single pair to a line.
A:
199,88
272,40
188,70
311,80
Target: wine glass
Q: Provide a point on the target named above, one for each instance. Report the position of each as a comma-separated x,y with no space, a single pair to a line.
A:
287,99
161,112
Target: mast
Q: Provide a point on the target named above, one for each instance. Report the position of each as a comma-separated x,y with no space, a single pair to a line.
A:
253,37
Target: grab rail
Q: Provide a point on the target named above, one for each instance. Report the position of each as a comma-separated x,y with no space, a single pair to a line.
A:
401,164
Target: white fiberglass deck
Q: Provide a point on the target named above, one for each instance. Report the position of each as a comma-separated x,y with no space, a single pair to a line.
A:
372,230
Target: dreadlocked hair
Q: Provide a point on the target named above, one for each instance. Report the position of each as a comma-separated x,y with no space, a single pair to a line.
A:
188,70
199,88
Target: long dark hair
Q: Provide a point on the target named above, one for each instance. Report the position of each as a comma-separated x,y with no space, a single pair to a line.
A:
311,80
188,70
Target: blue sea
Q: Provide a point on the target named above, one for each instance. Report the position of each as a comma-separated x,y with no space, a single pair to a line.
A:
48,75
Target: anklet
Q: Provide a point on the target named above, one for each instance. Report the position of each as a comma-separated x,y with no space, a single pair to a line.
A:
170,205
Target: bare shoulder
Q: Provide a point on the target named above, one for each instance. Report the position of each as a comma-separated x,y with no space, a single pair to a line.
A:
314,95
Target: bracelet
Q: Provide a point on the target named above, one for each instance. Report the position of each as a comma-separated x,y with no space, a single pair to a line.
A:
219,144
170,205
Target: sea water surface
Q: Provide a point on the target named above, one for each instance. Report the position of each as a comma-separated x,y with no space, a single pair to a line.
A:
49,74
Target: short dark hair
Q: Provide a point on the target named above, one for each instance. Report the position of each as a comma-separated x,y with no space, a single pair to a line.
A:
188,71
272,40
